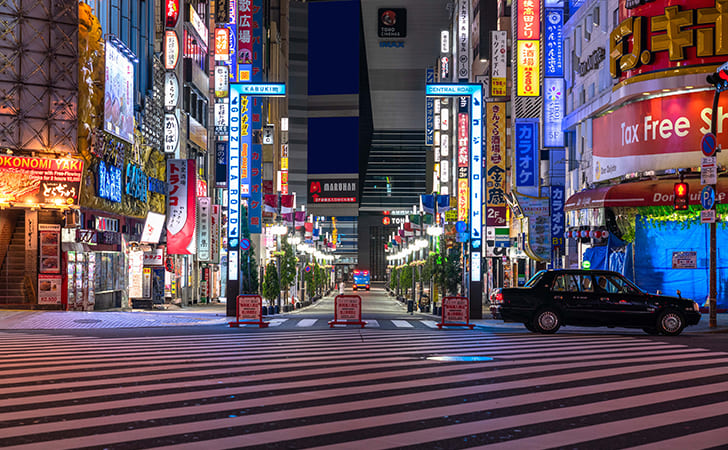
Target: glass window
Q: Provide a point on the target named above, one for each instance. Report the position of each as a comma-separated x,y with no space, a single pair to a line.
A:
586,283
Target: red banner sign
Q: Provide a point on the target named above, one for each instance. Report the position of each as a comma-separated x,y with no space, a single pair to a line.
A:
455,312
529,19
181,206
347,311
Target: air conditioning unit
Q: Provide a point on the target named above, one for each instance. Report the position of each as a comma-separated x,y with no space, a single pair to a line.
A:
72,218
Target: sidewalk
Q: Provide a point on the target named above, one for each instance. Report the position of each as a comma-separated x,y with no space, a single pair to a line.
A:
215,315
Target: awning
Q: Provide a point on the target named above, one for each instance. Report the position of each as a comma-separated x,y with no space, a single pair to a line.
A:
641,193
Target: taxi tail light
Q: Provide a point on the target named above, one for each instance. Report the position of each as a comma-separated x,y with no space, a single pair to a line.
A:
496,297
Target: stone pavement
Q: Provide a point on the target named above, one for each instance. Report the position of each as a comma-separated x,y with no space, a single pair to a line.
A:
215,315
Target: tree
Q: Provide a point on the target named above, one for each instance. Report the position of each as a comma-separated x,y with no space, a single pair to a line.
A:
319,277
406,278
288,266
271,285
452,270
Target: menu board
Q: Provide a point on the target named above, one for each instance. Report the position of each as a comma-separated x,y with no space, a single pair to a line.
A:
49,248
49,289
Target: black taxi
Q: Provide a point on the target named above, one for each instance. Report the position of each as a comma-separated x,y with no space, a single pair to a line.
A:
553,298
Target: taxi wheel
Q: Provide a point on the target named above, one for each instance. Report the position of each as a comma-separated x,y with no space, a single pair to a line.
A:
529,327
547,321
670,322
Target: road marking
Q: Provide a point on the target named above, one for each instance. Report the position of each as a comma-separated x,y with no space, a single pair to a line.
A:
276,322
402,324
429,323
306,322
372,323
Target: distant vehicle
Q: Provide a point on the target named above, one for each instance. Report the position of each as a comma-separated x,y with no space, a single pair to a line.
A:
361,279
594,298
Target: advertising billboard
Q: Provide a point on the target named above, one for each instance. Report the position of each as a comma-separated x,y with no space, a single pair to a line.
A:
119,95
495,164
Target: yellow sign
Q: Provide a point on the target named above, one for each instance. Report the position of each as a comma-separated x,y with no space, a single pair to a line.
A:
529,68
463,195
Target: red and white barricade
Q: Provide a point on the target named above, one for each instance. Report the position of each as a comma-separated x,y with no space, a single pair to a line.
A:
455,313
347,311
249,311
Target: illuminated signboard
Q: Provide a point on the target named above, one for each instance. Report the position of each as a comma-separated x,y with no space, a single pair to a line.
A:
222,81
529,68
136,182
475,92
262,89
171,90
171,133
222,44
109,182
245,31
172,13
40,180
499,64
526,152
171,49
665,38
181,206
152,228
119,95
529,19
554,51
553,106
463,44
232,27
495,170
429,109
558,220
234,170
198,25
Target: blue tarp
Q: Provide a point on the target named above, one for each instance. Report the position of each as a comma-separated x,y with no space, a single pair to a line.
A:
654,249
616,256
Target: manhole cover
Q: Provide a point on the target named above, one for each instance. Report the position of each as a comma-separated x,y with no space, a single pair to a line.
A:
87,320
461,358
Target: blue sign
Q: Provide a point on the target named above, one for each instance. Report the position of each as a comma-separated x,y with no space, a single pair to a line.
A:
554,41
526,153
109,182
232,26
461,226
136,182
244,244
708,144
707,197
554,105
475,184
263,89
452,89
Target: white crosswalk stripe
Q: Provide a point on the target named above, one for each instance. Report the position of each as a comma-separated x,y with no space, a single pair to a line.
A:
429,323
371,323
306,322
402,324
360,388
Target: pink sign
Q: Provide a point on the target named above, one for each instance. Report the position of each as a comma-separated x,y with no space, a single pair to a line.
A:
181,207
455,312
347,311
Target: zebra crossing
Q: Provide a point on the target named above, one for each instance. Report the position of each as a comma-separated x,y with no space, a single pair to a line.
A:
370,323
360,388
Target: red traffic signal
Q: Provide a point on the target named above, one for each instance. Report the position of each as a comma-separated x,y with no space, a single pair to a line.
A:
682,193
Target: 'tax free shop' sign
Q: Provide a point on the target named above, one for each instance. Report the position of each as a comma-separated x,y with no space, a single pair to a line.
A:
656,134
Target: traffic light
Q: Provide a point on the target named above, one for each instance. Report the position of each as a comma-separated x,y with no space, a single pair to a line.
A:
719,79
682,193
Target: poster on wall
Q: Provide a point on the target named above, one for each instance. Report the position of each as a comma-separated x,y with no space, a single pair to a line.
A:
49,289
50,248
119,95
181,206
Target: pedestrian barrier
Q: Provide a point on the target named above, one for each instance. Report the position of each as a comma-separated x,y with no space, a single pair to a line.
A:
347,311
249,311
455,312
